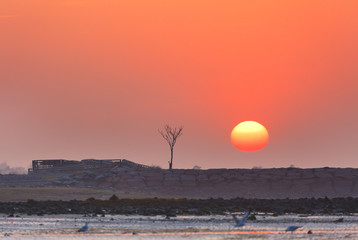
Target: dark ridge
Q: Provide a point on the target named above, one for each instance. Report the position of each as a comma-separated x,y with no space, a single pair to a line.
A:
183,206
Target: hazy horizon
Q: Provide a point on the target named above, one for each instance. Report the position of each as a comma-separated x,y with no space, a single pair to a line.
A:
97,79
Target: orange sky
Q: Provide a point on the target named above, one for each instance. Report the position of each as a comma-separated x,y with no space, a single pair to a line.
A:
97,78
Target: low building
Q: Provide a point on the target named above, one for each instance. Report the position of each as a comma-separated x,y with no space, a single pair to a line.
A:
63,165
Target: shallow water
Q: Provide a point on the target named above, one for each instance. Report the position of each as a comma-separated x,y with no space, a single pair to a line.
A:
182,227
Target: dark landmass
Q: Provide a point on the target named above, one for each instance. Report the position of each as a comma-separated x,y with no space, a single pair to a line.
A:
68,179
173,207
128,180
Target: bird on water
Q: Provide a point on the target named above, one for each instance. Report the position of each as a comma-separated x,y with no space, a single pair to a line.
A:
240,222
84,228
292,228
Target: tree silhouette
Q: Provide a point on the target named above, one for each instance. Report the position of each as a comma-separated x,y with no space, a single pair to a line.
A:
170,135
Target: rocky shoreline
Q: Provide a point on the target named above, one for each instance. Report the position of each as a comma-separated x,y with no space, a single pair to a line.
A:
173,207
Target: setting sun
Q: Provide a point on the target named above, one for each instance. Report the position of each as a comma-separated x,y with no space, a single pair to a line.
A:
249,136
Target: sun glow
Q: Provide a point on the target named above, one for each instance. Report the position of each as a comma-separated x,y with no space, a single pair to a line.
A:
249,136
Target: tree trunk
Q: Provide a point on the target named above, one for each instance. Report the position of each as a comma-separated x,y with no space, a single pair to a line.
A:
171,159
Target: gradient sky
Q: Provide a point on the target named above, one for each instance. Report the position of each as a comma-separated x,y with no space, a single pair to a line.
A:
97,78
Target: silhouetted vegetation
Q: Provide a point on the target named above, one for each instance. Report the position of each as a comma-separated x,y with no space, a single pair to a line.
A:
173,207
170,135
114,198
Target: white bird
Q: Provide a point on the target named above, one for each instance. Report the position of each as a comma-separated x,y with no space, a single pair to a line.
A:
84,228
241,222
292,228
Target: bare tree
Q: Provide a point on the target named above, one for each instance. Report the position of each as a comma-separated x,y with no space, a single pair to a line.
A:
170,135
